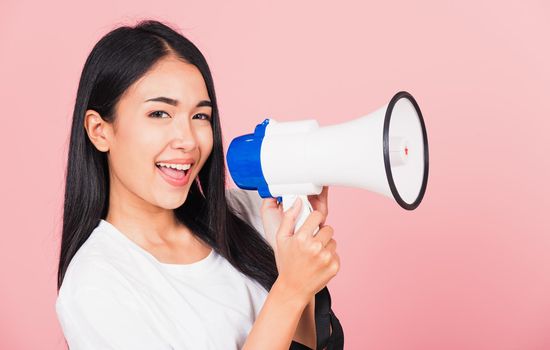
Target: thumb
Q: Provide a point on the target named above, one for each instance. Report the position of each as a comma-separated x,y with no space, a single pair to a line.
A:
289,219
268,203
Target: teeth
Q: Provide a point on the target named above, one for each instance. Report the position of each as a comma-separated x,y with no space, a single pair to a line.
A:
175,166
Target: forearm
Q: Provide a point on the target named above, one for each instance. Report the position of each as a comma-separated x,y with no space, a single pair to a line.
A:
277,321
305,331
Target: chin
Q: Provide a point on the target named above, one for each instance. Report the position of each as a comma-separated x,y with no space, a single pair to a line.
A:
173,201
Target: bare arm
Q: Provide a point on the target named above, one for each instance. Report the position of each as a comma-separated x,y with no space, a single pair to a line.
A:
276,324
305,331
306,263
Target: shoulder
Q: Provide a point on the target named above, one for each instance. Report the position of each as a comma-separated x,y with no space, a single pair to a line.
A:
95,265
88,275
246,204
243,198
93,292
97,308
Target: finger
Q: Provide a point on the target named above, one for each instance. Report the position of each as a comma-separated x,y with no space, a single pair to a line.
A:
324,219
336,262
320,201
331,246
289,219
324,193
324,235
323,196
324,202
269,203
313,221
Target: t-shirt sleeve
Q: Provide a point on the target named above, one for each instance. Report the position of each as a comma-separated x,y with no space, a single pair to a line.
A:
105,318
246,204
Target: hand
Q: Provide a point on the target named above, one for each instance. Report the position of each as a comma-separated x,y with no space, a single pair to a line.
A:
319,202
306,263
272,213
272,216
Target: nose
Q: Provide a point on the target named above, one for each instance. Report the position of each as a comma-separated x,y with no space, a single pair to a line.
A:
184,135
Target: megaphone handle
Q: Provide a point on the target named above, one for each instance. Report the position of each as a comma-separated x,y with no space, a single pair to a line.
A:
288,201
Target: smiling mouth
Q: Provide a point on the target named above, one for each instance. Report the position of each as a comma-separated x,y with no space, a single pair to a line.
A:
174,173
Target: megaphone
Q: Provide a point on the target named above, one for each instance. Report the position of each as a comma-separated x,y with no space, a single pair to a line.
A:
385,152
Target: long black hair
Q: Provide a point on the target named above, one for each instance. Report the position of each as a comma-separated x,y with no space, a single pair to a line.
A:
119,59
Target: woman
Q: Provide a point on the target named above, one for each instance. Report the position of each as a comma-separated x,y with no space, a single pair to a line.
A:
153,256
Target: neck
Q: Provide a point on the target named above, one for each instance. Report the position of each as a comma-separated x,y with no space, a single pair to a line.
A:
140,220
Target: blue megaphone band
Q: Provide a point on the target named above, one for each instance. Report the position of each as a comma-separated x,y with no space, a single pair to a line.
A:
244,163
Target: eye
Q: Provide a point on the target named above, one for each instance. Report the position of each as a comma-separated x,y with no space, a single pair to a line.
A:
157,114
204,115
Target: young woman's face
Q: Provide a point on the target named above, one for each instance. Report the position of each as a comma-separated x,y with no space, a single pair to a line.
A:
165,116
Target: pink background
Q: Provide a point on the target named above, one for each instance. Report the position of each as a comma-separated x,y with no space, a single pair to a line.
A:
469,269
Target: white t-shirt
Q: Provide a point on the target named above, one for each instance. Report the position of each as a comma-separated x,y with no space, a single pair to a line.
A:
116,295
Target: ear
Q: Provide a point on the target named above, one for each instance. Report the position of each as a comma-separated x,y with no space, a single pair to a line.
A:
98,130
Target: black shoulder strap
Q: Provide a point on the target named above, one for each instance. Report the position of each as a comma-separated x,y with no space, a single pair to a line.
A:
324,320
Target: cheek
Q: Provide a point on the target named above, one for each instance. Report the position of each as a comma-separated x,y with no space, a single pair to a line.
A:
133,156
206,142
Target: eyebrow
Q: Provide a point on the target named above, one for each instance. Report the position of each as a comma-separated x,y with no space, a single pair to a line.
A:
171,101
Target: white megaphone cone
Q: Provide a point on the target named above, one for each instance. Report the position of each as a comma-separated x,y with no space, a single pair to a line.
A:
385,152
